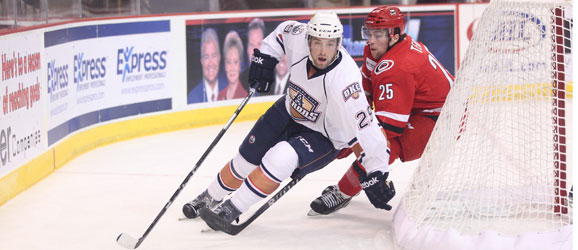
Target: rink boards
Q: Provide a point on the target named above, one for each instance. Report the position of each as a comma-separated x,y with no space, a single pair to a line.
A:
70,87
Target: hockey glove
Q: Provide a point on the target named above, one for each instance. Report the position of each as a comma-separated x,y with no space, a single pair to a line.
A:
262,71
378,190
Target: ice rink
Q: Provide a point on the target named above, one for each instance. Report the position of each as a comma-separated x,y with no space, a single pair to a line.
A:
122,187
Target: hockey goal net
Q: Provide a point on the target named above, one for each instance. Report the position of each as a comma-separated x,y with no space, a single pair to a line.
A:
496,171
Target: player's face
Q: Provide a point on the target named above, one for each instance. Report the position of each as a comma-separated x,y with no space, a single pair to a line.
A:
210,60
378,41
323,51
232,64
255,38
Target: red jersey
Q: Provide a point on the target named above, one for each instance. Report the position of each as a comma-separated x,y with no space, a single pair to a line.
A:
407,80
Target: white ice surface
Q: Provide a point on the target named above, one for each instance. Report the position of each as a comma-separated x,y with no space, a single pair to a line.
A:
122,187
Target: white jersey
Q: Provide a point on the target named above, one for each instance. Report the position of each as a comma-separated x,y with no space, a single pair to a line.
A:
331,102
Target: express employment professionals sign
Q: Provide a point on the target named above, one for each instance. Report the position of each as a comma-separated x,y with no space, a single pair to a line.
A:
98,73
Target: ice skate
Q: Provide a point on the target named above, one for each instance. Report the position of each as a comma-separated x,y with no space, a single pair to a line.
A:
222,216
191,209
227,211
331,200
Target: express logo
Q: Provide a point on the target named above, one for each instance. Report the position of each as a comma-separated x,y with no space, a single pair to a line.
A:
303,106
88,69
383,66
516,31
14,146
352,90
130,62
57,76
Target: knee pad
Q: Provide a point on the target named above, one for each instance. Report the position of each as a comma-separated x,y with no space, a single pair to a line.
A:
240,167
280,161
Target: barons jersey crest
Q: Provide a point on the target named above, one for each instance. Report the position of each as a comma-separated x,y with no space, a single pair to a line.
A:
303,106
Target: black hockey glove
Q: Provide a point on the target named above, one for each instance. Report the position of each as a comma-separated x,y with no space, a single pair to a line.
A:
262,71
378,190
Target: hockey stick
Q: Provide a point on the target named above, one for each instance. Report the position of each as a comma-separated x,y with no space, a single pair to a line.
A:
130,242
217,223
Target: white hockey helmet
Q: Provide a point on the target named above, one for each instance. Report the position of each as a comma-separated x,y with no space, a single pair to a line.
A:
325,25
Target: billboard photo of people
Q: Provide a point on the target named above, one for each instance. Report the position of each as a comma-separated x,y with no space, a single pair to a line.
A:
208,87
218,57
219,50
233,55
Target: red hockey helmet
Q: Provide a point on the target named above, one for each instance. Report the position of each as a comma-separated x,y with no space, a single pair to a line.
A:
385,17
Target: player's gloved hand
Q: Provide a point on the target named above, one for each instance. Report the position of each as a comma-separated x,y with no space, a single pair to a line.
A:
262,71
378,190
344,153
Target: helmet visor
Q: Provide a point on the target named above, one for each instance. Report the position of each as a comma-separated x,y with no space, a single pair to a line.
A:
367,34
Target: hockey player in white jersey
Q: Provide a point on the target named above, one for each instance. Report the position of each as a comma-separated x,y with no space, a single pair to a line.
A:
323,111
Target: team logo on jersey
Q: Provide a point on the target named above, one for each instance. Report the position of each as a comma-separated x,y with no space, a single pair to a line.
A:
383,66
298,29
352,90
303,106
288,28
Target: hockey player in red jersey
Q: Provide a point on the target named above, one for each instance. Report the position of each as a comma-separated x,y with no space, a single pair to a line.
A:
408,87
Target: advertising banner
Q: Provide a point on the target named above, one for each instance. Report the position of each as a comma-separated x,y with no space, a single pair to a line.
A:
468,17
218,50
22,134
98,73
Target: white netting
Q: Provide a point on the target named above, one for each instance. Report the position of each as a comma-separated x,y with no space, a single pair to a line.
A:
498,158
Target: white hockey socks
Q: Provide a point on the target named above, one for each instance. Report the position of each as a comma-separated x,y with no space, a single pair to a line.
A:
277,164
230,177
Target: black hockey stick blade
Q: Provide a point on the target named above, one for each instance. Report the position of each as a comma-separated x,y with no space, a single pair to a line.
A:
217,223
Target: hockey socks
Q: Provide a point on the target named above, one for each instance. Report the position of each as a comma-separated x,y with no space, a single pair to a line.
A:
231,177
349,183
277,165
254,189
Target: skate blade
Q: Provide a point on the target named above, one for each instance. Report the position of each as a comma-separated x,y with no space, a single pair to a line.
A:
204,230
186,218
313,213
208,230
